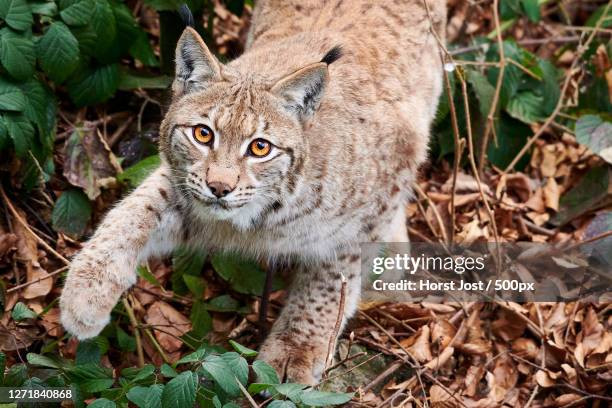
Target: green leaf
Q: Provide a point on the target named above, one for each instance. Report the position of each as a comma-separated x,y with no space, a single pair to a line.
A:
511,137
17,54
281,404
58,52
186,261
5,140
71,212
22,312
16,13
11,97
21,132
126,342
16,375
290,390
141,50
244,275
223,375
91,350
607,21
245,351
167,371
146,397
201,322
163,5
532,9
134,175
102,403
180,391
265,373
93,85
76,13
130,82
44,8
223,303
238,365
550,89
43,361
595,133
194,357
104,25
590,192
195,284
484,92
526,107
320,398
146,373
91,377
40,109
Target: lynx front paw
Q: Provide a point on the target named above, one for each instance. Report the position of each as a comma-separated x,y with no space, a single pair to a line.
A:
294,361
81,323
89,295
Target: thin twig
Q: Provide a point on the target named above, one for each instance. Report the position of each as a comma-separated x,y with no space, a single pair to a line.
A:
331,346
500,78
246,394
25,225
50,275
134,323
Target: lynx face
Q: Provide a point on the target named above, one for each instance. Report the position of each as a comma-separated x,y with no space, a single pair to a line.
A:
235,142
231,157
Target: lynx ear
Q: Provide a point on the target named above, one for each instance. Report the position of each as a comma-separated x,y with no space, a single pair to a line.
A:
302,90
195,64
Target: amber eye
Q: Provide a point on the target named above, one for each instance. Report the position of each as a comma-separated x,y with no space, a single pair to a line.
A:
203,134
260,148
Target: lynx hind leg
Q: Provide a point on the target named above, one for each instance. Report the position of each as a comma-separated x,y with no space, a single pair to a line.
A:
298,344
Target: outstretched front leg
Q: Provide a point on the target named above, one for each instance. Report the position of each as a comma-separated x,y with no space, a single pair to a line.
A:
298,343
146,223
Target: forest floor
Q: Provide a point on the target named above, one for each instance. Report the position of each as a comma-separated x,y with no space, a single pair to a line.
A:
440,354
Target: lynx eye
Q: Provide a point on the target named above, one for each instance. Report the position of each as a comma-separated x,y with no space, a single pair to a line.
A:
203,134
260,148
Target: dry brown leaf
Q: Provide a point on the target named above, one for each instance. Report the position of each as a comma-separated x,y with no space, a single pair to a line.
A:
8,242
442,333
476,342
472,379
51,322
441,398
508,325
543,379
548,165
27,251
505,375
525,348
552,194
171,323
421,349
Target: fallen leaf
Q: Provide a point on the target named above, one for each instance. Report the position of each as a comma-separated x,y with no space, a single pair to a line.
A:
89,162
171,323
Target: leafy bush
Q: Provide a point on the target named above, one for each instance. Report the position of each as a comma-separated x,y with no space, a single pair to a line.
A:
48,47
212,377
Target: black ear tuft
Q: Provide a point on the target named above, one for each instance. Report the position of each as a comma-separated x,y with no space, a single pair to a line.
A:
186,15
332,55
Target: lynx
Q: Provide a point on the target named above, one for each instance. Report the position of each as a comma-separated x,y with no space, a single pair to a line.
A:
299,150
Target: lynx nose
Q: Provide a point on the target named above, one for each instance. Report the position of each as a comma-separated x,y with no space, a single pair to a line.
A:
220,189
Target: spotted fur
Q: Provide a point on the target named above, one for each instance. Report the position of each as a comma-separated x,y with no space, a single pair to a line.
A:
346,91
